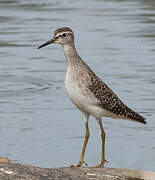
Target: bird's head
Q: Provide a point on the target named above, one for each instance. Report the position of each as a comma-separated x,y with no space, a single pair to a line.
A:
62,36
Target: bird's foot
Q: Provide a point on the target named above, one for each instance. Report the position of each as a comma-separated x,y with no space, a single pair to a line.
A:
101,164
80,164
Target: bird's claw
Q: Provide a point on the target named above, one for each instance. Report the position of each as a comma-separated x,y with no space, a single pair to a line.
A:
102,164
80,164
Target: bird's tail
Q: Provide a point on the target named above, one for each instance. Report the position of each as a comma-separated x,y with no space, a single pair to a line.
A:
132,115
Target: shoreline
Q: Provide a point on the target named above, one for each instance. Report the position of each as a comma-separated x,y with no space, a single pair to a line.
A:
16,171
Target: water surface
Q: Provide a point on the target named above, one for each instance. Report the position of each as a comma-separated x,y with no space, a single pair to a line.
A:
39,125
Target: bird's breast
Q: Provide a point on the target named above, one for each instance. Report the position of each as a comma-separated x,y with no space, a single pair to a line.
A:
73,89
78,93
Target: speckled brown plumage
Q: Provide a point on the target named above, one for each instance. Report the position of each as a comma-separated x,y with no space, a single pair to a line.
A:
109,101
89,93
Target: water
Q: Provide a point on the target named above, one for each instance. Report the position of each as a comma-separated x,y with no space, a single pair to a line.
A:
39,125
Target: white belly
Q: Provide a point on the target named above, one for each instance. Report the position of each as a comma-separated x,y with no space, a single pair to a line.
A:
84,102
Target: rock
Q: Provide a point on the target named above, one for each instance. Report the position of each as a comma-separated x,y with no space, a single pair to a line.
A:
4,160
17,171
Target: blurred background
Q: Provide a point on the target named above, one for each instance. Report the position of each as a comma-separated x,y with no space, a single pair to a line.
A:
38,123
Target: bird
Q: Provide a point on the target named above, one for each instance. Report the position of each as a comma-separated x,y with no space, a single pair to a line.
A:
88,92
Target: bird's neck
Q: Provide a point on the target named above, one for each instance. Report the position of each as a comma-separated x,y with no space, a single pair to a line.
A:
70,53
75,64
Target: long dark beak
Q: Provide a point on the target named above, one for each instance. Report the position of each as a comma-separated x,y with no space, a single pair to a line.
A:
47,43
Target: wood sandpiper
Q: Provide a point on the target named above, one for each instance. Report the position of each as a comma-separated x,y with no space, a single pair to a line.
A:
88,92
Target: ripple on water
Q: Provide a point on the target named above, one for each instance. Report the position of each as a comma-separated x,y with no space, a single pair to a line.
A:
116,38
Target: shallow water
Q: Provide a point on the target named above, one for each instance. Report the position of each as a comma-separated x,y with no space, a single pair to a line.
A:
39,125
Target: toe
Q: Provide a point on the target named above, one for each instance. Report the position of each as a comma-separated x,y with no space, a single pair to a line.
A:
99,165
80,164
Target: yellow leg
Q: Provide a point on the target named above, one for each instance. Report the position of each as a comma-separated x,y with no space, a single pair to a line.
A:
103,146
81,161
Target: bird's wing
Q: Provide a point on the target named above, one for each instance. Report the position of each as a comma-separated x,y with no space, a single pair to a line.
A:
109,101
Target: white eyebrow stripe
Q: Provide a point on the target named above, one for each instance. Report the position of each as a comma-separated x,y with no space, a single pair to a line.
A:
60,34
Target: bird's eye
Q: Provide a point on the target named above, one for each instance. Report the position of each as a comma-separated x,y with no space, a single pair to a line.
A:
64,35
